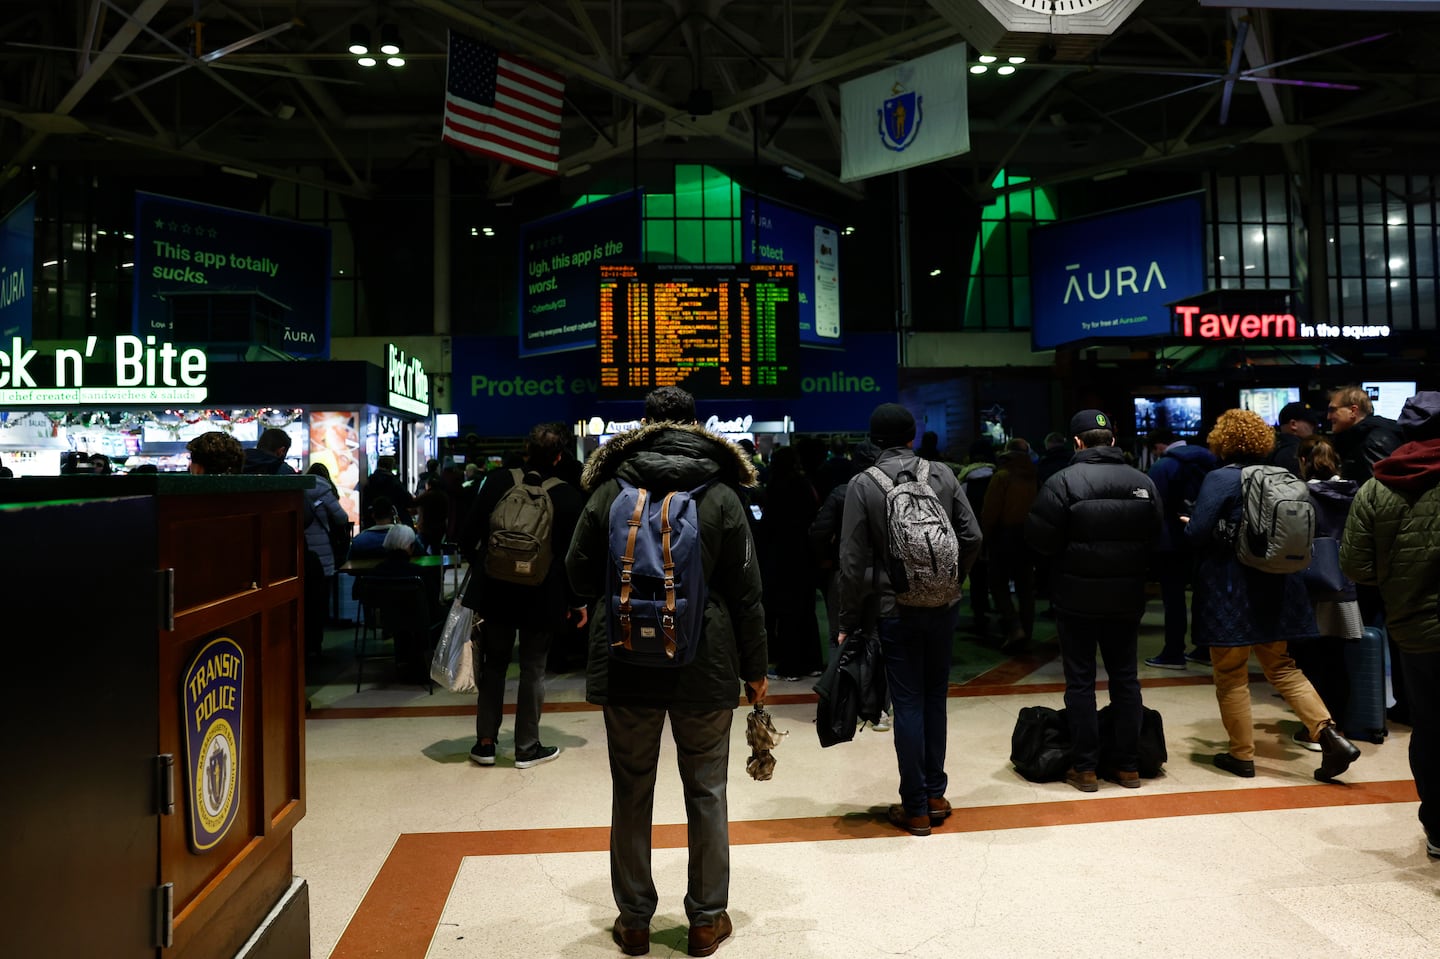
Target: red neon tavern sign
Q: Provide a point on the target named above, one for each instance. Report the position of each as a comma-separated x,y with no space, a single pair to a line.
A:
1228,326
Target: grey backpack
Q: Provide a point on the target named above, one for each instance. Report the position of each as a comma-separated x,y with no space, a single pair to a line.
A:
518,549
922,554
1277,520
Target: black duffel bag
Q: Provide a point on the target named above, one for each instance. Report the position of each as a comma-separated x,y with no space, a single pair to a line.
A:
1040,744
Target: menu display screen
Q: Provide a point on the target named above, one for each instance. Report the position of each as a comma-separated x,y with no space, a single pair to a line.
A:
719,331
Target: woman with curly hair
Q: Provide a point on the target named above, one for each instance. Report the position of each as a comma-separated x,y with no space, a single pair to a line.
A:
1238,609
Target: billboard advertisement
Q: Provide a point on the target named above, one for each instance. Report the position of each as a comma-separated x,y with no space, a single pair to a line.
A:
17,264
1113,276
210,274
774,233
560,259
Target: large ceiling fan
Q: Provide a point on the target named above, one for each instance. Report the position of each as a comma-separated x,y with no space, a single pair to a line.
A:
1256,74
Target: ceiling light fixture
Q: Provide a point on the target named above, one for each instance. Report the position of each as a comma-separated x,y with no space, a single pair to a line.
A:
366,61
935,272
1005,71
359,40
1017,59
793,173
389,39
979,68
987,58
395,61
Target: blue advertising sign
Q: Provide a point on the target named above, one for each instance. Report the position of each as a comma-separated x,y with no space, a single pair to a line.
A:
772,233
17,263
560,259
499,393
1113,276
209,274
213,692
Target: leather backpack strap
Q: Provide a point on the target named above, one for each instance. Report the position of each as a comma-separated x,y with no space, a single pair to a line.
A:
627,561
667,616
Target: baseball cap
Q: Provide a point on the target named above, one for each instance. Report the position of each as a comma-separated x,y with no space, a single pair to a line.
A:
1298,411
1087,420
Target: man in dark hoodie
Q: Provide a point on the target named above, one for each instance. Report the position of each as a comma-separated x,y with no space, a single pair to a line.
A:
1002,521
916,641
1100,518
268,456
670,451
1177,473
1392,540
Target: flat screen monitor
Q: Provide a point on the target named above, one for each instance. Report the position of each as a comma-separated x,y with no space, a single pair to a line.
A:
726,331
1268,401
1179,414
1388,397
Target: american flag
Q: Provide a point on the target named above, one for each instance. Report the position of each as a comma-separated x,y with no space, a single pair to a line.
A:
501,106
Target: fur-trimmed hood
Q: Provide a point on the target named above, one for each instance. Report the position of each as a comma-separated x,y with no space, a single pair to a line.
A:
669,456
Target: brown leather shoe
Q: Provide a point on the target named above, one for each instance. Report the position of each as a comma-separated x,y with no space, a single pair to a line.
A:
1083,780
704,940
914,825
632,942
939,809
1125,777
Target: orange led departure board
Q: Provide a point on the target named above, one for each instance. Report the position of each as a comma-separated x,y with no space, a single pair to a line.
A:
718,331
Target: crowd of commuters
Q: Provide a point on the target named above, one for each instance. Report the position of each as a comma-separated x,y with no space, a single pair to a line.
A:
1077,523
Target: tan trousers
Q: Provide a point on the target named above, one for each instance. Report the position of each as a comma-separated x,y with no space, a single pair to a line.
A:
1232,690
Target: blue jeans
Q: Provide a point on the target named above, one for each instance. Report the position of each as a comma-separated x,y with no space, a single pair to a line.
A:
1117,639
916,645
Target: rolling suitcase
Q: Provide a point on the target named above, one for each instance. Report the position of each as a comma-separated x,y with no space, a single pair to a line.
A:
1365,662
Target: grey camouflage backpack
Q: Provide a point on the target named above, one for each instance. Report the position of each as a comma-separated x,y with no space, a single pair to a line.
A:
1277,520
922,555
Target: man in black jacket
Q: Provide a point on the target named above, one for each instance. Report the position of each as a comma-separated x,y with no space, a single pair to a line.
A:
1360,436
1295,422
536,612
268,456
1100,518
671,452
384,483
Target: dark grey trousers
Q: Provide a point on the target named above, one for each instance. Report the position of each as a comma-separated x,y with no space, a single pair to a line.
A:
702,742
496,645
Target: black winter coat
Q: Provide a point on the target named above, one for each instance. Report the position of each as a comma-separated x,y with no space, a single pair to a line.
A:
663,457
545,607
1365,444
1101,517
1235,604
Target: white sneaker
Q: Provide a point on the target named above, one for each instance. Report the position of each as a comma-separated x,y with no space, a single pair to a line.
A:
1303,740
883,724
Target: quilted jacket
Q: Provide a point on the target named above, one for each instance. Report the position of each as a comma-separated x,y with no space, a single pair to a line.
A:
1237,605
1392,540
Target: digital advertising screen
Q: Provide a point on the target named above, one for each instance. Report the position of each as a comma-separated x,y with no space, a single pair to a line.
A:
560,258
1268,401
17,263
719,331
1181,415
230,276
1113,276
773,233
1388,398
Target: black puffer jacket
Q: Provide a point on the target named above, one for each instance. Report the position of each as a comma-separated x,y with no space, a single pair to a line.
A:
663,457
1101,517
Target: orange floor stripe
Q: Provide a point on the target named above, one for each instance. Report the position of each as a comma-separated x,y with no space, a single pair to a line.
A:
398,916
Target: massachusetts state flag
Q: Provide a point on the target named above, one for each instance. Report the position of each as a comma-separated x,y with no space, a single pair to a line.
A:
501,106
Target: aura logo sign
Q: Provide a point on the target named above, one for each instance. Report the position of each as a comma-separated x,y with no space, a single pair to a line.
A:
1123,277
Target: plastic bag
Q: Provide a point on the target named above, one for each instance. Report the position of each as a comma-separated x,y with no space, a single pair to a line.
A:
453,665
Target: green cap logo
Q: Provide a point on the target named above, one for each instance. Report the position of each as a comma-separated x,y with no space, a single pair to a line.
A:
1100,420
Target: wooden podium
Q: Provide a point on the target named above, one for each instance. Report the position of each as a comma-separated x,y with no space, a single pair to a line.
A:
151,807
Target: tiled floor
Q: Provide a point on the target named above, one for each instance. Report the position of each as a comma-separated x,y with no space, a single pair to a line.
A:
411,851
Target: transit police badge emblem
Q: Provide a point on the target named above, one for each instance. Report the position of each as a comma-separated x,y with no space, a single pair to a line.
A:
214,691
900,119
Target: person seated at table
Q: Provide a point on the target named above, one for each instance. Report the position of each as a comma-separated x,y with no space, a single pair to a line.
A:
369,543
413,641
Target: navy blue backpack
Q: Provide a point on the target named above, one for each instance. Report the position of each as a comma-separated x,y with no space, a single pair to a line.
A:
657,578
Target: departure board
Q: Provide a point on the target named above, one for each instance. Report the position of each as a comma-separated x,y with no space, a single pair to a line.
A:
719,331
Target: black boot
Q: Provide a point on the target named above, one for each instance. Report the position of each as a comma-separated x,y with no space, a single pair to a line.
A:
1337,754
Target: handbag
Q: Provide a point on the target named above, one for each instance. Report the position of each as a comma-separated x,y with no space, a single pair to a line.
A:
1323,575
453,665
